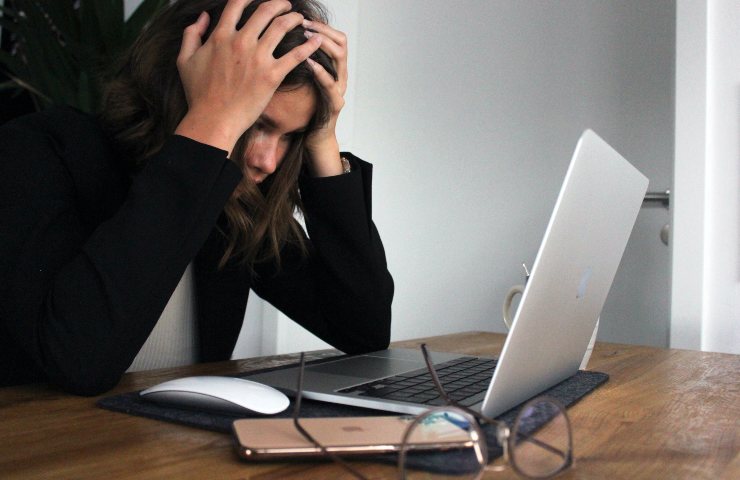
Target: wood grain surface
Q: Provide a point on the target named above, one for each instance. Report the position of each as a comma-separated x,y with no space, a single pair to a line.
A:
663,414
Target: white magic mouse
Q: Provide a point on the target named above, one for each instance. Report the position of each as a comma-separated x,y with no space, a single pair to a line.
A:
230,394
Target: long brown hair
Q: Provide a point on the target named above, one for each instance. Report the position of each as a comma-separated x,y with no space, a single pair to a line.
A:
144,101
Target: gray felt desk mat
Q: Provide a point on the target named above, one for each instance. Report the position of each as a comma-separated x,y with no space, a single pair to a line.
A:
568,392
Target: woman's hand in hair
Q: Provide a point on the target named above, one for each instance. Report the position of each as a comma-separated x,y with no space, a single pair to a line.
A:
230,79
322,143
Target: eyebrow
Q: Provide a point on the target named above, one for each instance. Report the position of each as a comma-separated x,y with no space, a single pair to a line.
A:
267,121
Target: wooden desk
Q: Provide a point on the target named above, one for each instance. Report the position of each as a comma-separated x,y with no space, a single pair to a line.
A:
663,414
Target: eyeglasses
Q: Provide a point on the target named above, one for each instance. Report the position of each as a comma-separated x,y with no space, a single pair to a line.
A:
539,445
308,436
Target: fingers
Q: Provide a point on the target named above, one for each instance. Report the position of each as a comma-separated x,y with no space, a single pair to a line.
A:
334,44
290,60
335,51
267,26
278,28
334,89
232,13
335,35
325,78
192,37
263,16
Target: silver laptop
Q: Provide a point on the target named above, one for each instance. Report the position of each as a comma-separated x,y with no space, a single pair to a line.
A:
582,247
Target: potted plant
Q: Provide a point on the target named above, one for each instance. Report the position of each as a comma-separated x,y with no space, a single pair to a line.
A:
60,48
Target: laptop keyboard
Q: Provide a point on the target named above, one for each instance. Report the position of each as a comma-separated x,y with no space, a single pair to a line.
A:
465,380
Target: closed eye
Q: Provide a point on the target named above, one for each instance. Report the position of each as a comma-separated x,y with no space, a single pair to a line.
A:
294,135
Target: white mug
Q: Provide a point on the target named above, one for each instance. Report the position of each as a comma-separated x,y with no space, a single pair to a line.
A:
508,319
508,299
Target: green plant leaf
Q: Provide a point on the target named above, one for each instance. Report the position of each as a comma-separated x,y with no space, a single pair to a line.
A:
21,84
51,68
91,37
8,24
64,16
9,85
62,45
10,62
8,12
85,94
109,20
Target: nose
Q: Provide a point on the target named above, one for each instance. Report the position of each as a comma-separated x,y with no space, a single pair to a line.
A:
263,154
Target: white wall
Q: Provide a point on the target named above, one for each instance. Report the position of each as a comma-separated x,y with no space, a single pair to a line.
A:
690,165
470,111
129,6
416,69
706,295
721,324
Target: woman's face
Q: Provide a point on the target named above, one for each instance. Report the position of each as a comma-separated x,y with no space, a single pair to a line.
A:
286,116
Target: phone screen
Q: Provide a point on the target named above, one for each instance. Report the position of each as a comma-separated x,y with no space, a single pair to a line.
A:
264,438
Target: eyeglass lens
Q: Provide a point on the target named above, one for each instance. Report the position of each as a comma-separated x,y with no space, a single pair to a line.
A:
449,443
540,444
443,443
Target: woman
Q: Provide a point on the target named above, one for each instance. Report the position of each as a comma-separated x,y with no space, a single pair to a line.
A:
194,166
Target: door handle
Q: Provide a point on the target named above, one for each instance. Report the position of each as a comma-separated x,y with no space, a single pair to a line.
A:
663,198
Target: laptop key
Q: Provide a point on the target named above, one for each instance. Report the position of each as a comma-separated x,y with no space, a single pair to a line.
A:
403,396
465,379
422,398
472,400
380,392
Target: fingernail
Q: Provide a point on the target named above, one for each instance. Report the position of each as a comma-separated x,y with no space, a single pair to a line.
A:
307,23
308,33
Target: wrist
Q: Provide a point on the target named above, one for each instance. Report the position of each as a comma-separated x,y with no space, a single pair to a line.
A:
205,130
326,161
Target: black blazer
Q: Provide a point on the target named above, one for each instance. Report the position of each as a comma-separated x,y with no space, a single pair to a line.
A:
90,254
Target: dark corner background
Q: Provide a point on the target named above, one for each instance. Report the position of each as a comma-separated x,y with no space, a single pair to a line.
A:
12,102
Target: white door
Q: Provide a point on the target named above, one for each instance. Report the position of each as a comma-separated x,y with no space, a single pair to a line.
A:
641,128
637,310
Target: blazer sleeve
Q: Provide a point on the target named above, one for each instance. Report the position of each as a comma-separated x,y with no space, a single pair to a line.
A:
342,290
80,301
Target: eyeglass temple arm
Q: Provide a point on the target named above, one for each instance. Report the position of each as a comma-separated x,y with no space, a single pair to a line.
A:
543,445
308,436
443,393
433,373
297,407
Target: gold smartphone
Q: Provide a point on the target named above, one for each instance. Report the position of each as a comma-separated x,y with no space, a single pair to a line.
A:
271,438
